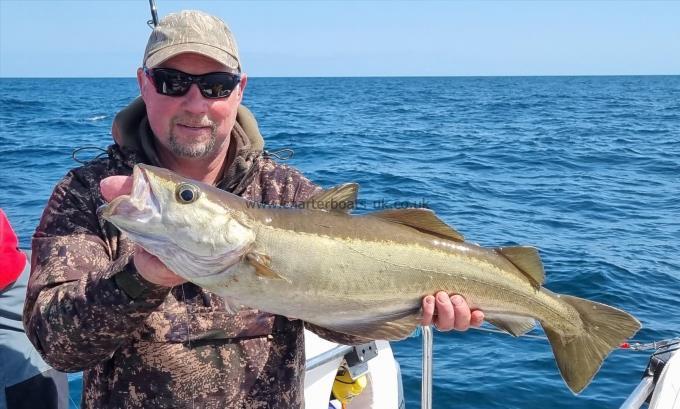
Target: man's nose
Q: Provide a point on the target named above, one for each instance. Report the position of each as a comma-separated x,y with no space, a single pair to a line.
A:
194,102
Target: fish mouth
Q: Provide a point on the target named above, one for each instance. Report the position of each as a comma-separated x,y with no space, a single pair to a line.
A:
150,217
136,209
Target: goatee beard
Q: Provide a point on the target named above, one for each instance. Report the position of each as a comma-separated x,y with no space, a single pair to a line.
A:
192,149
195,150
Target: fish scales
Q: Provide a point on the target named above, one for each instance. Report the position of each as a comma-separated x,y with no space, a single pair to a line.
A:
386,272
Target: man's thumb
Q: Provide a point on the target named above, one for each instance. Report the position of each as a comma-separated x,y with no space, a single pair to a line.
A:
114,186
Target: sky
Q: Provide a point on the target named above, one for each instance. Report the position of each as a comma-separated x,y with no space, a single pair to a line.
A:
106,38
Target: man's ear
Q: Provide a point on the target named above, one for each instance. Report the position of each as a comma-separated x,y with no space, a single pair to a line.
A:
242,84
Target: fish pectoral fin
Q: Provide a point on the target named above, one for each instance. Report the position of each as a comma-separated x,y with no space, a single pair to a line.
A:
423,220
526,259
341,199
516,326
262,265
392,330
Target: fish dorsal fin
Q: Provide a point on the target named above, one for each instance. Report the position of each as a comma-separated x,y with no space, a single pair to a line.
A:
527,260
423,220
341,198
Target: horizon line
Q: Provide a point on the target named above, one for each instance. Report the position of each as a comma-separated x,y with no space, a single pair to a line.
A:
382,76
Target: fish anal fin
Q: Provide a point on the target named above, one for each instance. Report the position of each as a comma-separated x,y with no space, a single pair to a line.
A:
341,199
262,265
514,325
423,220
391,330
527,260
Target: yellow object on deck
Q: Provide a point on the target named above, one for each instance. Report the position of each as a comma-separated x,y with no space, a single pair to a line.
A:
345,388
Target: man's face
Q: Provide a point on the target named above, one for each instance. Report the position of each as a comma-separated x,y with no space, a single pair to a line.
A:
191,126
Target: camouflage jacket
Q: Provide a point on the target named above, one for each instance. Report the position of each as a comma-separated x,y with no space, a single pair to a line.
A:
145,346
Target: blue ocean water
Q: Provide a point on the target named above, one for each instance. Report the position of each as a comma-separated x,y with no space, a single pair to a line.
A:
585,168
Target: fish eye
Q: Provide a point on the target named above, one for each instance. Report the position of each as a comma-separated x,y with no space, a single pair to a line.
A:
186,193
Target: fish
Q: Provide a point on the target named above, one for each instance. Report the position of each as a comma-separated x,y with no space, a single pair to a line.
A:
363,275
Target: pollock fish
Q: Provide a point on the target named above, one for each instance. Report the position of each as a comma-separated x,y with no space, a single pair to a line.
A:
363,275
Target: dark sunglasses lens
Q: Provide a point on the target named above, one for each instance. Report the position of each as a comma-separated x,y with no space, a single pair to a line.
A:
176,83
218,84
171,82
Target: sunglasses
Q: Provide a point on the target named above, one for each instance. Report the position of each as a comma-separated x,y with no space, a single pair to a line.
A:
175,83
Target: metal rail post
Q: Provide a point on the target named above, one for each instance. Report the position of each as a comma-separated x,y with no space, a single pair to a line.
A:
426,385
640,394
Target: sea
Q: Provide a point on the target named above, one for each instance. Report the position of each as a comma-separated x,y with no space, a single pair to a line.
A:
587,169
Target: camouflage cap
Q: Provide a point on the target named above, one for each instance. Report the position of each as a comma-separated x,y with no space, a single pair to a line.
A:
192,31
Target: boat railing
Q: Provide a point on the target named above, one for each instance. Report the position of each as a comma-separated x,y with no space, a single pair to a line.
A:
426,382
640,394
328,356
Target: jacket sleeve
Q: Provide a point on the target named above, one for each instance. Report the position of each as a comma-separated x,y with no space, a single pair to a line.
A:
283,185
84,297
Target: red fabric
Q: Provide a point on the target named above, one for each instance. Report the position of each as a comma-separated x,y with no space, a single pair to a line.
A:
12,260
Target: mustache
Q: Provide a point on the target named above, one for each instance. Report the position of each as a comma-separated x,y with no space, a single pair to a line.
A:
194,121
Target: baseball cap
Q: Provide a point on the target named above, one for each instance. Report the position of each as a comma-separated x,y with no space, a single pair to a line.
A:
192,31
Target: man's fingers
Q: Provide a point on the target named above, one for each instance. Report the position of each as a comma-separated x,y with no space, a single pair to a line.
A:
462,313
476,319
428,310
114,186
153,270
445,312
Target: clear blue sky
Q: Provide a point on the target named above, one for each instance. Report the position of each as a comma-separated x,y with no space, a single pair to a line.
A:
102,38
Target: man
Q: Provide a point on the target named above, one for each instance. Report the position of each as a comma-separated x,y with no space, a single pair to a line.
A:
143,336
26,381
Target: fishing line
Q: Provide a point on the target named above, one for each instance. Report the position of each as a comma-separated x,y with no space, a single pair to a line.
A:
671,344
74,154
186,310
70,398
283,154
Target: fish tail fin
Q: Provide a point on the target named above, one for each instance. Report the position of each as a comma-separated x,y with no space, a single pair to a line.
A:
579,356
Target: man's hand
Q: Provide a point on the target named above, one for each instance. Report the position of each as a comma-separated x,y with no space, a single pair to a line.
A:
453,312
147,265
